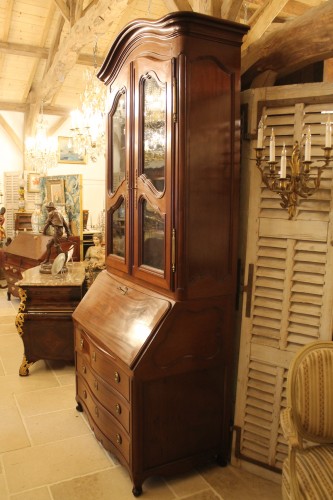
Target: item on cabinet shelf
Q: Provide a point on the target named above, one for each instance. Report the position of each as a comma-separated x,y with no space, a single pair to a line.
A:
21,201
44,319
37,217
2,229
154,334
85,214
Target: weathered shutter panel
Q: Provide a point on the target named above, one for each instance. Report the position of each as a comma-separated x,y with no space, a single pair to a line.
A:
11,200
292,290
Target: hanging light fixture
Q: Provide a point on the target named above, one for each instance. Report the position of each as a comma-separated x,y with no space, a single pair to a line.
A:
88,124
41,150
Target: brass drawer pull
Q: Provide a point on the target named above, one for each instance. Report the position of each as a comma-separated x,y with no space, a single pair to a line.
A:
81,343
85,394
116,377
118,409
94,356
96,385
84,369
118,437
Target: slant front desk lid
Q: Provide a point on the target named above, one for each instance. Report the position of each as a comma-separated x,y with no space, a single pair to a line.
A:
28,245
124,315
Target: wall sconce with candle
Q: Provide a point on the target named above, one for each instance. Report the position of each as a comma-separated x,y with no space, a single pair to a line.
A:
299,182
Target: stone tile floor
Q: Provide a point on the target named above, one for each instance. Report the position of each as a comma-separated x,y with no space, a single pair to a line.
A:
48,452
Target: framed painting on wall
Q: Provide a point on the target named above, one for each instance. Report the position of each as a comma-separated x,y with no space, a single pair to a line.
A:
66,153
33,182
55,191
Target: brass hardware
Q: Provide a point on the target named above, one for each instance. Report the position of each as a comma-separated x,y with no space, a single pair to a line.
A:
116,377
118,409
93,356
299,183
85,394
81,343
118,438
122,289
96,385
248,289
84,369
173,250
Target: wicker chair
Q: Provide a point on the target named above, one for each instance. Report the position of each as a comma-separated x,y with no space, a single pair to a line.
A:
307,424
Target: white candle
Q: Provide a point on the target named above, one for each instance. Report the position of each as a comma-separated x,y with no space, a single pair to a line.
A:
307,153
272,147
283,170
260,139
328,134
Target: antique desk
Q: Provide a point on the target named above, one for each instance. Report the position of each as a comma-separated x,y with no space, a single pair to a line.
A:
44,319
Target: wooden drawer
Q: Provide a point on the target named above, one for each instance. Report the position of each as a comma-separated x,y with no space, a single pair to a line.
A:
104,420
109,398
102,363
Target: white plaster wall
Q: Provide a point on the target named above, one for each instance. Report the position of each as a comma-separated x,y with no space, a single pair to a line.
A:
93,174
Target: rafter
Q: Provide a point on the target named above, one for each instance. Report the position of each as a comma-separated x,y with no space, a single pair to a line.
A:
292,46
262,19
63,9
98,18
230,9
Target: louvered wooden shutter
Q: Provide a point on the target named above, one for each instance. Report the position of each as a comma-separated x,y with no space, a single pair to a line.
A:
291,302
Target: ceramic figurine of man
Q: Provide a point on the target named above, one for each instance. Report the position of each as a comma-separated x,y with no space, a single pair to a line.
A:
57,221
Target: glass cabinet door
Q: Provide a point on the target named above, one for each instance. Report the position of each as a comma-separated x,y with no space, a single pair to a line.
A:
152,209
118,189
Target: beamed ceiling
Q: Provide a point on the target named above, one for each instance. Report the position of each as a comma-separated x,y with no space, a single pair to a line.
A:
46,44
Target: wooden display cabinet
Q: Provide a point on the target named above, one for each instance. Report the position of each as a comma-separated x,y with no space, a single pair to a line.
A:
154,335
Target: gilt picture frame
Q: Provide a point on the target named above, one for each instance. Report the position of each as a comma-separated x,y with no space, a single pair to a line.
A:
55,191
33,182
66,153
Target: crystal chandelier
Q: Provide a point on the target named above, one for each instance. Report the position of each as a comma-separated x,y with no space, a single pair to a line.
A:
41,150
88,124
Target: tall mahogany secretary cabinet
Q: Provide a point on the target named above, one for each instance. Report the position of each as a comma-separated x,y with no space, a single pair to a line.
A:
154,334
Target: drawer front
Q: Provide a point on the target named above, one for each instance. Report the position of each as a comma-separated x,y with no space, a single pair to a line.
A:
110,399
103,364
104,420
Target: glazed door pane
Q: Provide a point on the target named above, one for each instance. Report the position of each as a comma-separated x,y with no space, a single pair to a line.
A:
152,172
154,130
118,127
118,198
118,231
153,237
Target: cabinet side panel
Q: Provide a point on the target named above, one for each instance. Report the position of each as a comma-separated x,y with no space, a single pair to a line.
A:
210,135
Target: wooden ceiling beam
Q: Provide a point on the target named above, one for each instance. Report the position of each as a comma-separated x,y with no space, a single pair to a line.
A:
20,49
292,46
177,5
11,133
97,19
64,9
230,9
262,19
